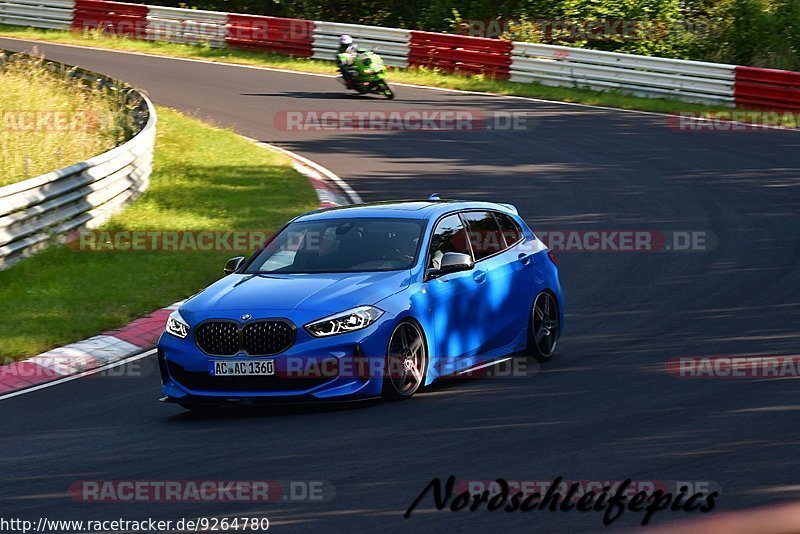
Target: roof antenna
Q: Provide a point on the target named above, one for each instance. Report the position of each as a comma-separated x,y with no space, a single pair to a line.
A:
434,196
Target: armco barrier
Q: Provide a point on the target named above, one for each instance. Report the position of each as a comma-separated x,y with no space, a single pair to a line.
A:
458,53
188,26
767,88
86,194
111,17
392,44
693,81
52,14
292,37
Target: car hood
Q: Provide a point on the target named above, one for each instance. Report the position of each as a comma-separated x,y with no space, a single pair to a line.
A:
265,295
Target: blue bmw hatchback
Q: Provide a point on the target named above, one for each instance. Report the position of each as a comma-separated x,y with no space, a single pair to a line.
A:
366,301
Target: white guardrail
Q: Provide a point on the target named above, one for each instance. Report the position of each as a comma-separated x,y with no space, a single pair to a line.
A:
392,44
34,212
691,81
53,14
188,26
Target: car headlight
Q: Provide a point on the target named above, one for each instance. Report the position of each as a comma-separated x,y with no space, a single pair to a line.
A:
176,325
347,321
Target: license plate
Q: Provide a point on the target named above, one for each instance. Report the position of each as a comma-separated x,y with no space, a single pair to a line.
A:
242,368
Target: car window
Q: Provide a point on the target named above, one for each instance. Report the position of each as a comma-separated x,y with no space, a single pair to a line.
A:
511,230
448,236
484,233
341,245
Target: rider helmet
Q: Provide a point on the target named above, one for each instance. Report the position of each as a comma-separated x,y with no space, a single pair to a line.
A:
345,41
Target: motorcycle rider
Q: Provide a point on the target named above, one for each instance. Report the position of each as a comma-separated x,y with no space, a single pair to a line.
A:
345,58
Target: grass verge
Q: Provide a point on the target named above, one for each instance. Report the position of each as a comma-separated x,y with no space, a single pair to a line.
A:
50,121
204,178
417,76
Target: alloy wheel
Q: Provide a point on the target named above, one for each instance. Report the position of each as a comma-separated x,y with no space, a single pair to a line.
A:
407,359
545,325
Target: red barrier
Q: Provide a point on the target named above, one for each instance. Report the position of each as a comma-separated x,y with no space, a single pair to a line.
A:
767,88
111,17
458,53
291,37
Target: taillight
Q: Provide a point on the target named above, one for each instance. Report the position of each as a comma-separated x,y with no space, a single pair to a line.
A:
552,257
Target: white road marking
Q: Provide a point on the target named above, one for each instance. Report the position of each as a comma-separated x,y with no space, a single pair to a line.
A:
77,376
344,186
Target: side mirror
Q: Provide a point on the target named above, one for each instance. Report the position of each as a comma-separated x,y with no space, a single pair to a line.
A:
453,262
233,265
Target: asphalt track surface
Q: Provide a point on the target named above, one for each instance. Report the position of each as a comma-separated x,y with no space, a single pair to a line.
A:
604,410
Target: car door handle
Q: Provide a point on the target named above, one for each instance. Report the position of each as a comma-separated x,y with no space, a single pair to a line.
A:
524,259
479,276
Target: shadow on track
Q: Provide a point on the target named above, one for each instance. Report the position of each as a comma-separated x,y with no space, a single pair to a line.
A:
304,95
333,95
271,410
445,385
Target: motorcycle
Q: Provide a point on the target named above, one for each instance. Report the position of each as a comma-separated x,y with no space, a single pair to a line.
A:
370,74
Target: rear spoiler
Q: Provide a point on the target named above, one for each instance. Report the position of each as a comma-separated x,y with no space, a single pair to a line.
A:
510,207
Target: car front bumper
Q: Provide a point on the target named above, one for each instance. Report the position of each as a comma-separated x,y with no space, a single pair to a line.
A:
346,366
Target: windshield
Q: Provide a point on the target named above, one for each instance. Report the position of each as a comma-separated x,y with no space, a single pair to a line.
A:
341,246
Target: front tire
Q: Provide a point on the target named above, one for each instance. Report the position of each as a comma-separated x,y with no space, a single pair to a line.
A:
406,362
386,90
543,328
